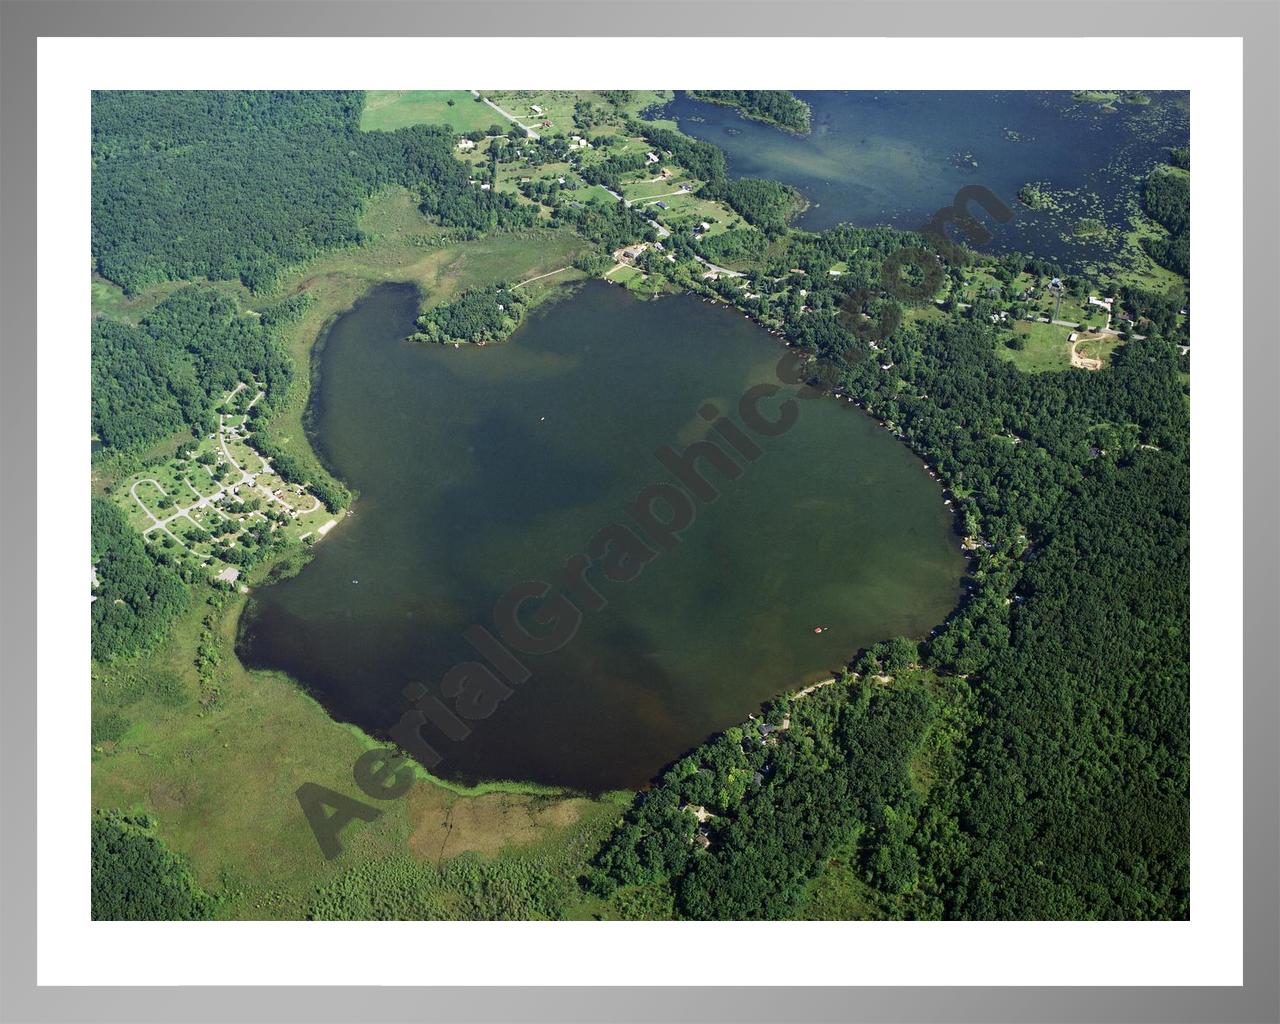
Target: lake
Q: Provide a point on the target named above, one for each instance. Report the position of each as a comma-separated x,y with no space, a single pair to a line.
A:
482,467
895,158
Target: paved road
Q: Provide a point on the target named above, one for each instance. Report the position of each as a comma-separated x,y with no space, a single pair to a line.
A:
719,270
510,117
622,199
246,478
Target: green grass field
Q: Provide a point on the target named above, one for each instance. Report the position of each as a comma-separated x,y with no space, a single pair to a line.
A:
1047,348
216,755
109,300
217,758
457,108
557,105
647,188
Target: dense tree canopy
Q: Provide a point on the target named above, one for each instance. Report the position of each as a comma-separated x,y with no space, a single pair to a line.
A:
136,598
222,185
477,315
613,225
137,878
1167,198
734,244
1069,796
766,204
773,106
170,372
1029,758
701,159
778,795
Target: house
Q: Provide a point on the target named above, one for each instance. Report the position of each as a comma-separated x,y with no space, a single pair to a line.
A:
466,144
662,205
651,158
535,108
484,186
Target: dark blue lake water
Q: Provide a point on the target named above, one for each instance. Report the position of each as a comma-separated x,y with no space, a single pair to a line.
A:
894,158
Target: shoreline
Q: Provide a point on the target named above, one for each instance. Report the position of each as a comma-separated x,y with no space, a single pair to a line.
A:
556,292
758,118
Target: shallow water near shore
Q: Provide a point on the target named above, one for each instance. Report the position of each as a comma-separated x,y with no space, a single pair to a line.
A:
480,468
896,158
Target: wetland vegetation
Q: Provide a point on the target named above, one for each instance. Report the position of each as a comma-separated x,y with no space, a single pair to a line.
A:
1025,756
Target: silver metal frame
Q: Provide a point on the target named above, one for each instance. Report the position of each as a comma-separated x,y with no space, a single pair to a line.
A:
1258,23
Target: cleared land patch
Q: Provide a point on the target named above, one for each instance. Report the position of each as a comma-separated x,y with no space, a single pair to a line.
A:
457,108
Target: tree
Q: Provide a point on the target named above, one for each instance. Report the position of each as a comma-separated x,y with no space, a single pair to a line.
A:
136,599
135,877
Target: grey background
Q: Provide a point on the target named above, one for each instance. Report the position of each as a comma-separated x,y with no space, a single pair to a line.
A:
20,25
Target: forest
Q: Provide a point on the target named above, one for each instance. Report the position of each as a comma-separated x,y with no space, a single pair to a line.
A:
1070,793
772,106
137,878
781,795
613,225
1167,199
240,185
170,372
476,316
766,204
1029,759
136,598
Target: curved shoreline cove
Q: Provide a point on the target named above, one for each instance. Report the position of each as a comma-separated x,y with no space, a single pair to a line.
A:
896,157
481,469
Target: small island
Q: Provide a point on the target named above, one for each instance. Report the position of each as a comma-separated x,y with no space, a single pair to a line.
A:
932,638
